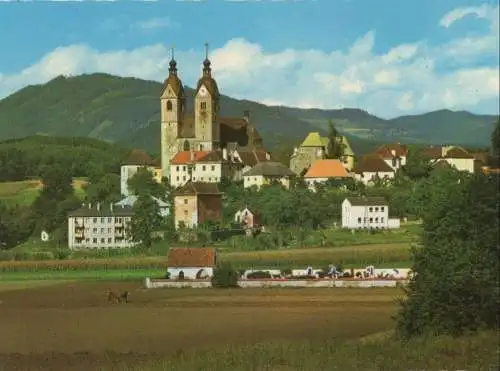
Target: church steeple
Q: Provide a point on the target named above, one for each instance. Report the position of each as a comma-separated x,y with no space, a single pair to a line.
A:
173,64
207,71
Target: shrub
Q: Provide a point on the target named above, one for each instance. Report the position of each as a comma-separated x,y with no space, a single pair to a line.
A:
62,254
225,276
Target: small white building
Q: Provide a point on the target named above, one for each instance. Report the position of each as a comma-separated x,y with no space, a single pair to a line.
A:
394,154
266,173
191,262
99,226
198,166
129,201
323,170
371,168
128,171
367,213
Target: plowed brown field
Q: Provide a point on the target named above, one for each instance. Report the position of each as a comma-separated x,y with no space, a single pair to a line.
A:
71,326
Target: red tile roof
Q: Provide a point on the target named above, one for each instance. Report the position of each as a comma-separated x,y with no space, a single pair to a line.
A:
372,164
326,169
385,151
188,157
191,257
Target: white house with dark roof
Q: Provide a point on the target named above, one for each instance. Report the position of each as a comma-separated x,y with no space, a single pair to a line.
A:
371,168
367,213
455,156
394,154
191,263
267,173
99,226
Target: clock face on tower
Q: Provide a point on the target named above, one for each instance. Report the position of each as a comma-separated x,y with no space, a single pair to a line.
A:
203,91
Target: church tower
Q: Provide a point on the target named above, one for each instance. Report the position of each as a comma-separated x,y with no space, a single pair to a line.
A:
206,107
172,111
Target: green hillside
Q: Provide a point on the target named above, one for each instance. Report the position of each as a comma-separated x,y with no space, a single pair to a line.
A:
126,111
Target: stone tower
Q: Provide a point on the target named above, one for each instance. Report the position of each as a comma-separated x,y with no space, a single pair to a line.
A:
206,107
172,110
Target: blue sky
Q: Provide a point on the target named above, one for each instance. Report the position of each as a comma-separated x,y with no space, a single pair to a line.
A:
390,57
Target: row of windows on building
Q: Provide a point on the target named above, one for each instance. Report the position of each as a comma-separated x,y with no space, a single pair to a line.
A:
101,230
109,220
101,240
203,168
201,179
365,220
203,105
382,208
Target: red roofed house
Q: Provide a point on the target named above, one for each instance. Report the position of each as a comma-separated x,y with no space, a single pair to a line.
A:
198,166
195,203
456,156
372,167
323,170
394,154
191,263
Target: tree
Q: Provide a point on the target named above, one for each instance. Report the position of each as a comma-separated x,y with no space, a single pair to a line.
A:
495,146
104,189
143,182
146,220
335,149
456,271
417,165
225,276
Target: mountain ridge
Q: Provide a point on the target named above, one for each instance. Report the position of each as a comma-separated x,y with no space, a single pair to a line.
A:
126,110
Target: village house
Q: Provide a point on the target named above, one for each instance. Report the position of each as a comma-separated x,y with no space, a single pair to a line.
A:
266,173
456,156
99,226
323,170
128,171
197,202
243,160
248,219
394,154
130,201
371,168
198,166
191,263
315,147
366,213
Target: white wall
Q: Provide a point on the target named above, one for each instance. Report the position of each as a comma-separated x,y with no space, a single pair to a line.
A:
259,180
462,164
201,172
99,232
189,273
355,217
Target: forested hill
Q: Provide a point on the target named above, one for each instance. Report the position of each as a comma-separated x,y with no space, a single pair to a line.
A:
126,111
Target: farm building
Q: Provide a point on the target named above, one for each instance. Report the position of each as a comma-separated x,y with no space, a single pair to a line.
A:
191,263
367,212
247,218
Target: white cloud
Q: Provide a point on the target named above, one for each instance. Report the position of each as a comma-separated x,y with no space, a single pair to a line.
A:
409,78
484,11
156,23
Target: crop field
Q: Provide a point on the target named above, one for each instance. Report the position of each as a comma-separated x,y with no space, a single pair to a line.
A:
76,329
137,267
26,191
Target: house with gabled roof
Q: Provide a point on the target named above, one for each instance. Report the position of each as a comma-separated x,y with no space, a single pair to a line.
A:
191,263
315,147
372,168
367,213
243,160
266,173
197,202
247,218
456,156
323,170
394,154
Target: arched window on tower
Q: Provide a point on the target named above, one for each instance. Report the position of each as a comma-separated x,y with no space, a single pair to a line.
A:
169,106
203,105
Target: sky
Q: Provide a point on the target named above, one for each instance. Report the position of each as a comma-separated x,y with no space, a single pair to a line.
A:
388,57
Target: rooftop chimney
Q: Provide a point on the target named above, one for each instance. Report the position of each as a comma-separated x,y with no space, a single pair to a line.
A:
224,154
90,205
98,206
393,152
111,207
191,155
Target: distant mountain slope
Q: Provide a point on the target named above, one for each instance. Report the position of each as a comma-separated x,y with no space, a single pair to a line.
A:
126,110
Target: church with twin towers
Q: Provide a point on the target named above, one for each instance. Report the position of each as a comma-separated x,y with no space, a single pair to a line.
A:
203,128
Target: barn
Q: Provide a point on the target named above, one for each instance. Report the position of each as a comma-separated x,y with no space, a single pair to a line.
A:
191,262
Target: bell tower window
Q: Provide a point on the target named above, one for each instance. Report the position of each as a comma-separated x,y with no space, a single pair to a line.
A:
169,106
203,105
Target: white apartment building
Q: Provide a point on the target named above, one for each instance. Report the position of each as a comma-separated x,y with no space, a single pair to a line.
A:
367,213
98,226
